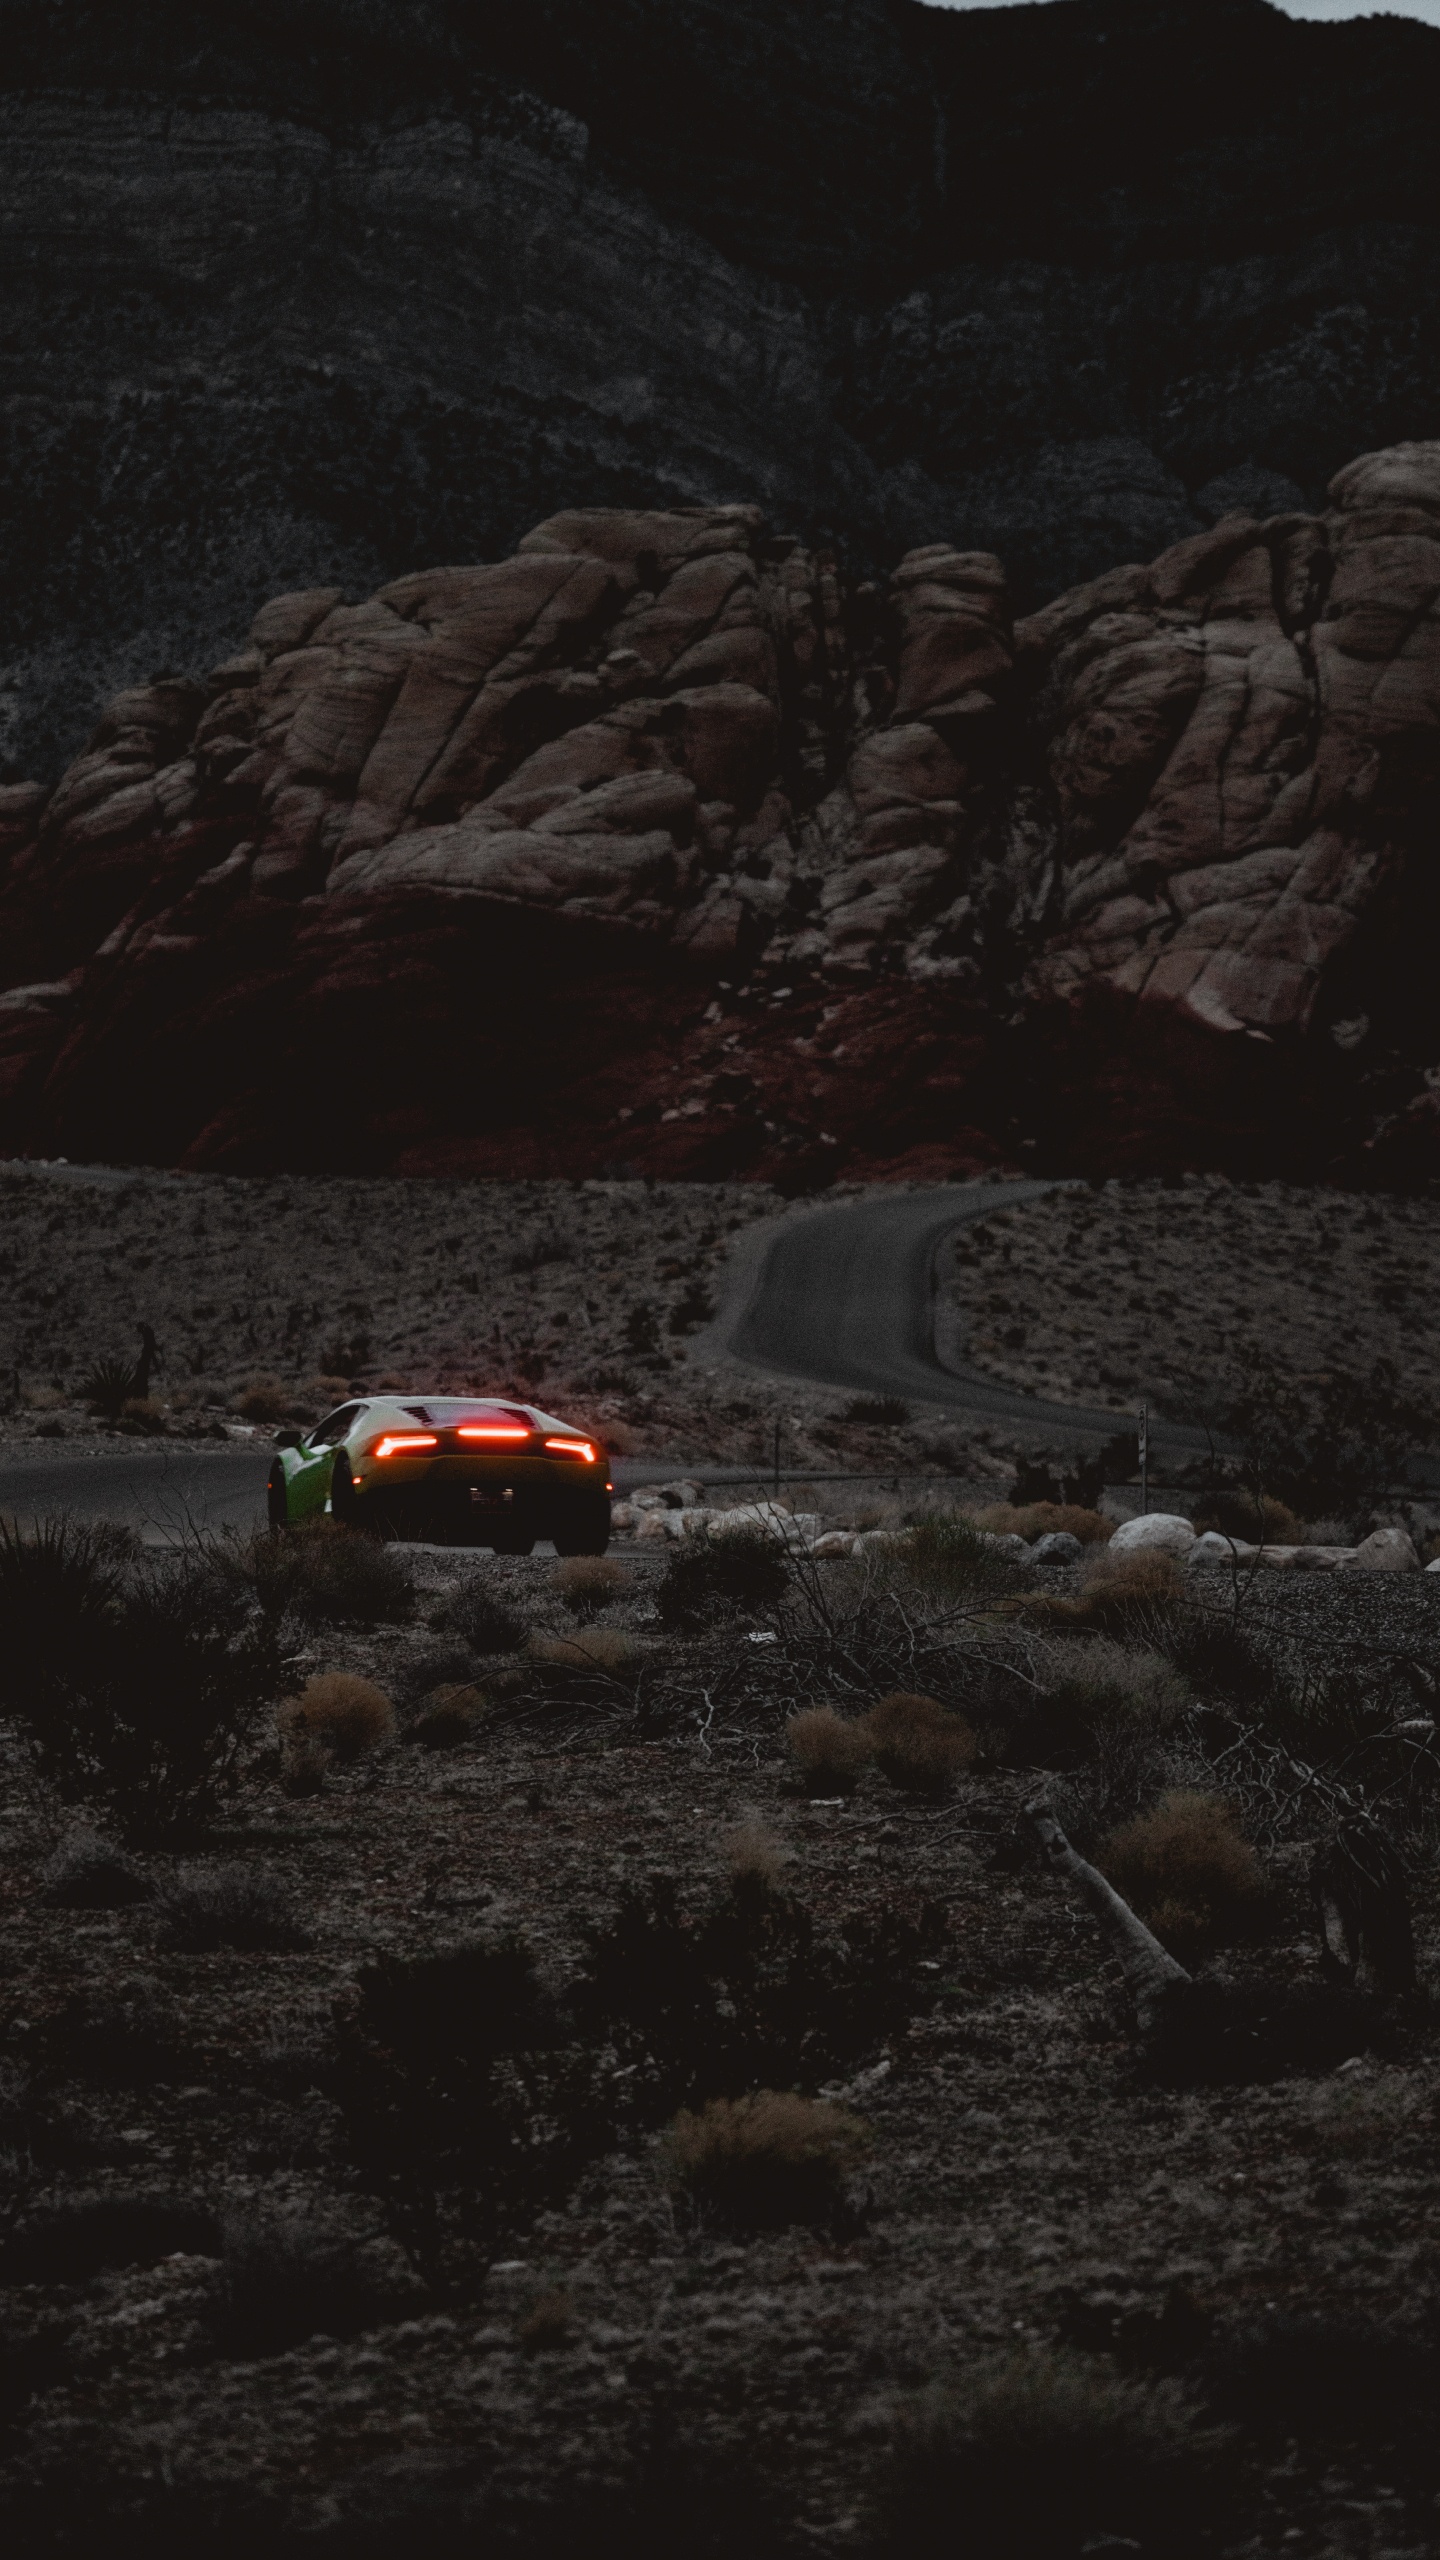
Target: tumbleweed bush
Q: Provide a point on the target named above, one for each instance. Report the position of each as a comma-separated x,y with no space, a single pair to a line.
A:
340,1710
763,2161
1189,1871
919,1744
831,1752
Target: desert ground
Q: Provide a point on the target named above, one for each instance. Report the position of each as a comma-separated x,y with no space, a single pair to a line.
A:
1191,2307
1152,1290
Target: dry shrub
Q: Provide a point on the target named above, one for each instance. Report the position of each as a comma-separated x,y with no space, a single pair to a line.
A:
755,1858
1096,1685
146,1412
605,1651
265,1399
1188,1870
1237,1514
758,2163
1032,1520
338,1709
203,1908
475,1610
830,1751
1057,2453
305,1762
588,1584
918,1744
327,1571
327,1392
1123,1596
549,2323
448,1717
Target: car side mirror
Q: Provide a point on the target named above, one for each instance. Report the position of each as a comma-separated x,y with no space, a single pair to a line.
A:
289,1440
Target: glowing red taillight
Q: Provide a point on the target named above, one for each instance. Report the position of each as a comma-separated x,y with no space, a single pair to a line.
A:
573,1449
492,1431
398,1443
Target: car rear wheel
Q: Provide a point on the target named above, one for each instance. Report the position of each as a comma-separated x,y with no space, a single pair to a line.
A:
344,1501
277,1497
511,1543
587,1535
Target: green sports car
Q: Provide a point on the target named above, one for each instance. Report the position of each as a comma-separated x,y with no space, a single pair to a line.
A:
465,1470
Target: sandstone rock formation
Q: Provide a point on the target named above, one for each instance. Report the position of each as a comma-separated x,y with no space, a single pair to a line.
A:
304,295
494,843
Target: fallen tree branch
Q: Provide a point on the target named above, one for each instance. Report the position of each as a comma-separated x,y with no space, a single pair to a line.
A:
1150,1974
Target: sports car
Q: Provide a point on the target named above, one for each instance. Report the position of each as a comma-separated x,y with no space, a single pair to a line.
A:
466,1470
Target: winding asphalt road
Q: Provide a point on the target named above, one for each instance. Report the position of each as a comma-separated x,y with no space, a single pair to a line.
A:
845,1297
841,1297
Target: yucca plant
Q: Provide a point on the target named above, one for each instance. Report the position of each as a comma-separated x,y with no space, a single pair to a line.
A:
109,1386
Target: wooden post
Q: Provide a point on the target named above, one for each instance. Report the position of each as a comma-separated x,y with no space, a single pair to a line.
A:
1143,1435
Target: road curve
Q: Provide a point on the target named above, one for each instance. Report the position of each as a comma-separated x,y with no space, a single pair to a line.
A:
845,1297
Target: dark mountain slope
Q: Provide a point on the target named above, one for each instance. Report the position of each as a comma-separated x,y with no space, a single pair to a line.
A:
305,292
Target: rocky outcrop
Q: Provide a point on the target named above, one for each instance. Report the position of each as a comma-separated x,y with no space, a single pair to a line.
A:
303,296
405,872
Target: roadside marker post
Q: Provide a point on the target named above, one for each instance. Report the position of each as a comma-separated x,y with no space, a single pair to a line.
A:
1143,1436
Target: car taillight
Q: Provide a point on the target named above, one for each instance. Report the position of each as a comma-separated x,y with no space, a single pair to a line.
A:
492,1431
573,1449
394,1443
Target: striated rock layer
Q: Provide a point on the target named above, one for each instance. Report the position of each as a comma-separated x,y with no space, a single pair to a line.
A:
662,846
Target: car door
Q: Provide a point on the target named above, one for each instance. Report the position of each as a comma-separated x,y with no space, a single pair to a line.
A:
310,1478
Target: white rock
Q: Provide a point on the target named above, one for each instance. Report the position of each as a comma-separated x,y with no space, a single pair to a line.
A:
836,1542
622,1516
672,1525
1434,1565
790,1529
1385,1551
1322,1559
1058,1546
1155,1532
1212,1553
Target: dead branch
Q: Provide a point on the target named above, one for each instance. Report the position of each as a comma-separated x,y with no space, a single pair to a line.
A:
1363,1909
1150,1974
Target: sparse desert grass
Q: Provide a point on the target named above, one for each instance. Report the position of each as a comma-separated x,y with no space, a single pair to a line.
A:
760,2162
604,1651
449,1717
919,1744
756,1859
346,1714
1050,2454
204,1907
331,1574
946,1556
88,1873
588,1584
1189,1871
830,1751
1096,1685
1032,1520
